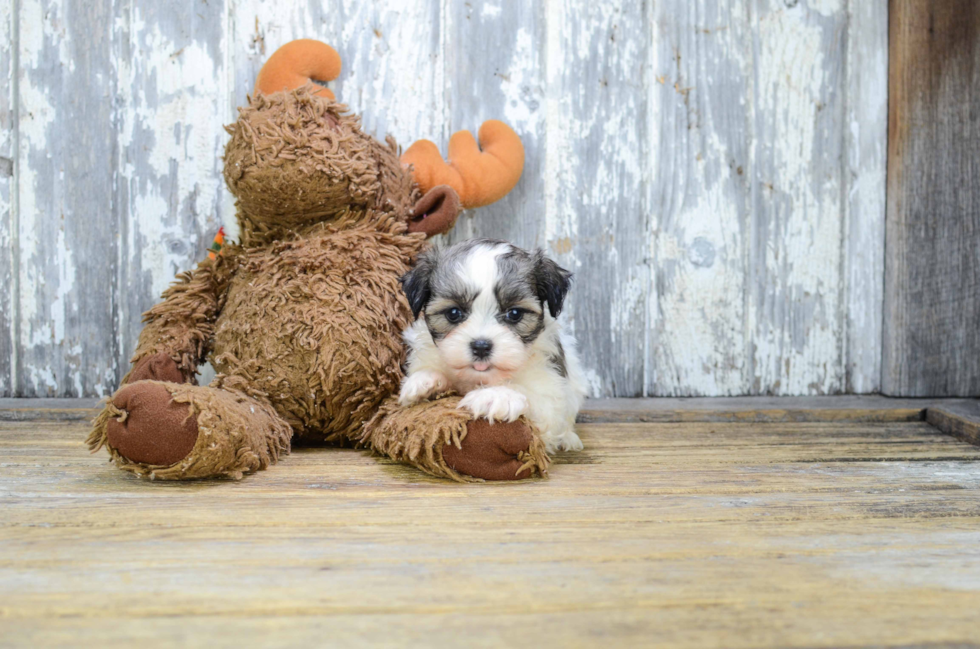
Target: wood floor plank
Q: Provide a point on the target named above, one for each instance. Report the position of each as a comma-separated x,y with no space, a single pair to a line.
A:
836,408
659,534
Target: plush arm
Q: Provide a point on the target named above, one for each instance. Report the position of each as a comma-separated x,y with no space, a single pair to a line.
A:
178,332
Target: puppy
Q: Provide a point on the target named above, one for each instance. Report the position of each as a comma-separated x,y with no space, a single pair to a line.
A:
489,332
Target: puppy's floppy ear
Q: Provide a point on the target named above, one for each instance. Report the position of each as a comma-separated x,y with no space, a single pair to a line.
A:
416,282
552,282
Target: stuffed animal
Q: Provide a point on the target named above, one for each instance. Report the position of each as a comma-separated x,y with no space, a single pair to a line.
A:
302,318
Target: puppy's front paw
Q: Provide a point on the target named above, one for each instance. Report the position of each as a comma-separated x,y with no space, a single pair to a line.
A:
567,441
420,386
495,404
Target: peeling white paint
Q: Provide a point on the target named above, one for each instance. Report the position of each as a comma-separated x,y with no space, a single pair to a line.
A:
826,7
40,23
795,318
867,130
490,10
61,304
8,344
175,98
37,115
680,160
700,348
517,112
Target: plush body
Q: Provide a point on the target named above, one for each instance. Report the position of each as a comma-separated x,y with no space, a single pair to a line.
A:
302,318
489,330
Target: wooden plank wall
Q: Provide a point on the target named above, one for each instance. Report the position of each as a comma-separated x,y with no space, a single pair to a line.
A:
8,120
932,279
712,170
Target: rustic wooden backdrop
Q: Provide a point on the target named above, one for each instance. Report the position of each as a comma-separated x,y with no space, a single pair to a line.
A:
712,170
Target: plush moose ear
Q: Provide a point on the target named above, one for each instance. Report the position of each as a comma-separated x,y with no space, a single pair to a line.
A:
296,64
480,177
436,212
552,282
417,282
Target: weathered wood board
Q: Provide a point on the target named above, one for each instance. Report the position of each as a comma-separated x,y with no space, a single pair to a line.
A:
957,417
698,534
932,279
865,132
174,97
8,241
794,301
712,170
67,235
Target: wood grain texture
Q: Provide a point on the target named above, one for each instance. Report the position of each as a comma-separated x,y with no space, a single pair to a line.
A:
594,180
173,100
932,269
794,298
840,409
961,420
865,141
700,182
712,534
67,237
753,107
711,170
8,129
507,44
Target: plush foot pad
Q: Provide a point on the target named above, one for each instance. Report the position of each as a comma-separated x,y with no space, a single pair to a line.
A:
498,451
440,438
152,429
172,431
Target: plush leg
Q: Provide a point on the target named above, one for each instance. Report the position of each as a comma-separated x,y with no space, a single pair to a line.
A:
171,431
440,439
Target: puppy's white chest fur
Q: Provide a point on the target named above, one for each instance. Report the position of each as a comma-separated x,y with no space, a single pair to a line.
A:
489,333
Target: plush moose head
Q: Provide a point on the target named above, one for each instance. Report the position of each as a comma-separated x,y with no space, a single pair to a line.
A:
300,159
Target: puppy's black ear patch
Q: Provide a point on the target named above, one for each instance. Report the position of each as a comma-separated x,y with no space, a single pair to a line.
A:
552,282
417,283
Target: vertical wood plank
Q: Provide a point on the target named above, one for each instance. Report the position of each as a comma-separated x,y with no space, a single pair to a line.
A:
932,265
865,133
173,103
794,274
8,47
502,78
392,57
595,168
66,234
702,66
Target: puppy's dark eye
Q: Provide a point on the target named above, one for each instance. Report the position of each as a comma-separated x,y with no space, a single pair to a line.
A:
454,315
514,315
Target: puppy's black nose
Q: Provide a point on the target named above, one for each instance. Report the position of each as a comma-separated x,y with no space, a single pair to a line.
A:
481,348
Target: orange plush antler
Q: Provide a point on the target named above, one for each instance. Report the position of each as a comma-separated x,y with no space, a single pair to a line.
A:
296,64
480,178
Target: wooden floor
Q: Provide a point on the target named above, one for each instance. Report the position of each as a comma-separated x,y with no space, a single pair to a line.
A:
708,534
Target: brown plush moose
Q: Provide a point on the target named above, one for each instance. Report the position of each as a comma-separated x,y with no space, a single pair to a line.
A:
302,319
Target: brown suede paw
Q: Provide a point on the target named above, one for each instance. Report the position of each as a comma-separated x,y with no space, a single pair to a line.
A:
157,367
492,451
153,429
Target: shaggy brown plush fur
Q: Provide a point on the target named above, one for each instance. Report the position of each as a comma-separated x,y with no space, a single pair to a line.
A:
432,435
237,435
302,320
296,160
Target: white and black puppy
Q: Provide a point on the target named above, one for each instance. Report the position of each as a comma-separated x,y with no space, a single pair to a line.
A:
489,331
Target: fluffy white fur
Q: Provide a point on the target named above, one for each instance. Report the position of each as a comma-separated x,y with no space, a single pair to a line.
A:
521,378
